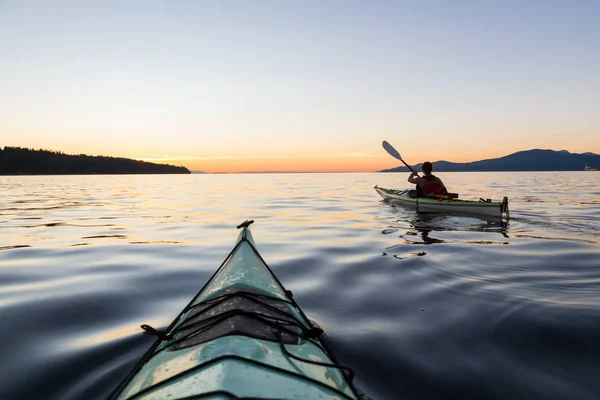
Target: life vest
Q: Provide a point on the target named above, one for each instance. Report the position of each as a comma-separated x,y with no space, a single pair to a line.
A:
431,187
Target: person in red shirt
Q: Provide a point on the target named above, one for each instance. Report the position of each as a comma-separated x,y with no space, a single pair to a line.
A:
427,184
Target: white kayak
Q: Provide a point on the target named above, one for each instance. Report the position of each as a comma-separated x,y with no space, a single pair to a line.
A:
426,204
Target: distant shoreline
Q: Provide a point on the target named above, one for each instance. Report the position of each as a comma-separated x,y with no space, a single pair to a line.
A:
18,161
96,174
535,160
283,173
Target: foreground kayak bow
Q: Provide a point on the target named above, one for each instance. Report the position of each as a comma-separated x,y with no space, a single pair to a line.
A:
241,337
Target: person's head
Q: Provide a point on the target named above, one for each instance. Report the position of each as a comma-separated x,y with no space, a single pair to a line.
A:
427,167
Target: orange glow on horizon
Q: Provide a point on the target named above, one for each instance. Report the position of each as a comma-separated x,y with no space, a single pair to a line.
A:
292,164
333,163
372,160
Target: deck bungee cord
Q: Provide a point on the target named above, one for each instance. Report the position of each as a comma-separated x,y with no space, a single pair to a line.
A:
253,322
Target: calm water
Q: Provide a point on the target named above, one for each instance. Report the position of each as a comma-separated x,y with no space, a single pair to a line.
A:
419,306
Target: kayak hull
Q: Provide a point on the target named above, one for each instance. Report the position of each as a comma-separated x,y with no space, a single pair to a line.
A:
422,204
241,336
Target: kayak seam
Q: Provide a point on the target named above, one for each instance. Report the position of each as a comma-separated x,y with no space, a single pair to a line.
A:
179,320
239,358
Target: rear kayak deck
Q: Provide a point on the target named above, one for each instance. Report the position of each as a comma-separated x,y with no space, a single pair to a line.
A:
241,336
424,204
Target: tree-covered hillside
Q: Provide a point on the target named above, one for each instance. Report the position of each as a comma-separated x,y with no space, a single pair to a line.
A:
21,161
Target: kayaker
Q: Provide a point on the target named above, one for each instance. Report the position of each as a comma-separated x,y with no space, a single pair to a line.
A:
428,184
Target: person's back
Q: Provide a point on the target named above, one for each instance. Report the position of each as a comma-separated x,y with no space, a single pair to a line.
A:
428,184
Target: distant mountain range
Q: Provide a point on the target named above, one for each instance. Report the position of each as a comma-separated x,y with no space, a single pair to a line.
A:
22,161
528,160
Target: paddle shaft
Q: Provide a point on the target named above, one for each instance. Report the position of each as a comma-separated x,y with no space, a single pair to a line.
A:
408,165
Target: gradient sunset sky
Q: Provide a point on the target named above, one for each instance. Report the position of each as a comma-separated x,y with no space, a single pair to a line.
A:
224,86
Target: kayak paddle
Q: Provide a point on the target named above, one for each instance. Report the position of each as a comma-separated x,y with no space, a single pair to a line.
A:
394,153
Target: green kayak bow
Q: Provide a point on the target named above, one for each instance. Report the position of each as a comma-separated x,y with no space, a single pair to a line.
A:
241,337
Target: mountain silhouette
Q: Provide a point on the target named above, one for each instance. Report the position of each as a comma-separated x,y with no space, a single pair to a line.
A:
527,160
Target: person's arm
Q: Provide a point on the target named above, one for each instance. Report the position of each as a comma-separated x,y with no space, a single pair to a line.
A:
416,179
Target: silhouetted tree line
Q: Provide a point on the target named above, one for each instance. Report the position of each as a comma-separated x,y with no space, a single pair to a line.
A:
21,161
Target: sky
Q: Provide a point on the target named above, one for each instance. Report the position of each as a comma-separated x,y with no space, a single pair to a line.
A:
315,86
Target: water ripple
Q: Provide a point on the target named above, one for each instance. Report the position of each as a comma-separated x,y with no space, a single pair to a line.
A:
420,306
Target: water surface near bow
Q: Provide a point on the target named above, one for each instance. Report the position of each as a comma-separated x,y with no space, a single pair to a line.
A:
420,306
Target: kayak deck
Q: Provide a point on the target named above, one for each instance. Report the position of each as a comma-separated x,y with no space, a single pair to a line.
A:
424,204
242,336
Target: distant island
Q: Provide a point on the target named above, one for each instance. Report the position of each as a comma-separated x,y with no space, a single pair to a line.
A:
528,160
22,161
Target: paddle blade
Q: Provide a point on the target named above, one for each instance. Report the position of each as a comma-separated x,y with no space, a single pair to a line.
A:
391,150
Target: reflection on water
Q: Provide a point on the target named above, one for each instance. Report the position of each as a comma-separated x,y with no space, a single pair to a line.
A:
105,236
14,247
424,228
419,305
